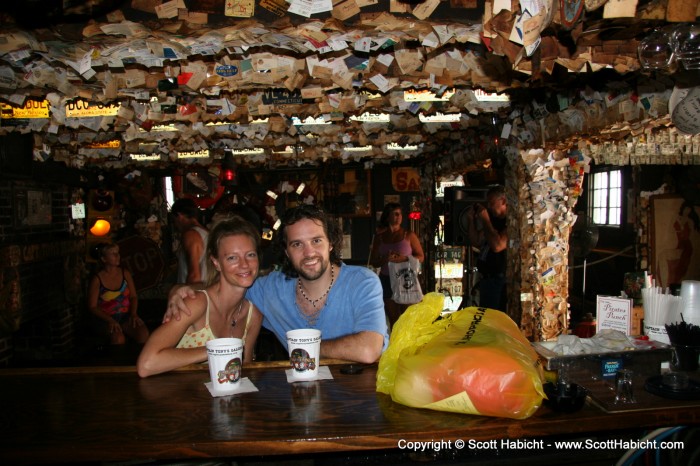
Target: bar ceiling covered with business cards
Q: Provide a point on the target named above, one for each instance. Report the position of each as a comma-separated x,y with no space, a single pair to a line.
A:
121,83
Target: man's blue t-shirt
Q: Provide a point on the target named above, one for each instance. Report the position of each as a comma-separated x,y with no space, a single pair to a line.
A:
354,305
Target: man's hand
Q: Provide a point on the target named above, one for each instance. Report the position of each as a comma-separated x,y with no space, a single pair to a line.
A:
482,213
176,303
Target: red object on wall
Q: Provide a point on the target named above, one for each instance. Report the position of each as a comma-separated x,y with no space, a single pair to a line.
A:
229,176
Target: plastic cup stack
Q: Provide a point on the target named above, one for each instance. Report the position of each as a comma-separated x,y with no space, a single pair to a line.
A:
690,296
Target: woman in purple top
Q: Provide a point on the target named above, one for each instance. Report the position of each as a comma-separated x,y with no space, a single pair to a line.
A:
393,243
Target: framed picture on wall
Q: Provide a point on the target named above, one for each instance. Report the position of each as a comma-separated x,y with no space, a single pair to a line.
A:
674,240
32,207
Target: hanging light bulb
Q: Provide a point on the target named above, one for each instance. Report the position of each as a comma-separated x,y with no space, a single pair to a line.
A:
228,167
101,227
229,176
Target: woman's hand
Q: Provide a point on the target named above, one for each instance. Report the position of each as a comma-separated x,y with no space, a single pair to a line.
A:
114,326
396,257
176,303
135,321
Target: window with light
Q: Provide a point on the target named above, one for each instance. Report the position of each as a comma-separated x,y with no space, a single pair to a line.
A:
605,198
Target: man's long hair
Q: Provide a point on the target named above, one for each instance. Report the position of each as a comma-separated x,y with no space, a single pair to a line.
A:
312,212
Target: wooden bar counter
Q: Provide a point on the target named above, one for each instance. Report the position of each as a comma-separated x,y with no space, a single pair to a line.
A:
109,414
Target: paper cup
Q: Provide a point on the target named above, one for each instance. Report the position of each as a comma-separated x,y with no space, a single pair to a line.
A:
225,360
304,346
690,291
657,333
690,294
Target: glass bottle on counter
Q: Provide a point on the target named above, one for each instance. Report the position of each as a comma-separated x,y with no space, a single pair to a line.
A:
587,327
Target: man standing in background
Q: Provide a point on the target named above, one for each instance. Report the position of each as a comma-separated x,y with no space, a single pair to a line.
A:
191,254
487,228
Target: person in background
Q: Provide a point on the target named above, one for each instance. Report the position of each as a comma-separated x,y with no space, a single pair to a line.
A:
487,228
191,257
315,289
392,243
112,300
218,311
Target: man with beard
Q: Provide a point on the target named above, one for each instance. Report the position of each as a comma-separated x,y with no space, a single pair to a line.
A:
315,289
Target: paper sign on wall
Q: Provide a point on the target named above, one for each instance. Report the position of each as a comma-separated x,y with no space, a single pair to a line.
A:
240,8
614,313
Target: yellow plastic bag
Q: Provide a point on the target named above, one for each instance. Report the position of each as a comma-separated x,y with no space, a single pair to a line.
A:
474,361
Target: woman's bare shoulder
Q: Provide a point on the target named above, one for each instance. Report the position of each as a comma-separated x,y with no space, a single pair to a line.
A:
197,304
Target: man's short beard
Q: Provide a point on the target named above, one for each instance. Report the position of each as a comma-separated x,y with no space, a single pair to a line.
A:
324,266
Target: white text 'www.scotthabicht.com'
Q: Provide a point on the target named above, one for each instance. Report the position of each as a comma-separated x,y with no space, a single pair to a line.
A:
532,444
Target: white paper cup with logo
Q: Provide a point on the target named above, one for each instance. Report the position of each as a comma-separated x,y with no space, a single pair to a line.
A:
225,362
657,333
304,346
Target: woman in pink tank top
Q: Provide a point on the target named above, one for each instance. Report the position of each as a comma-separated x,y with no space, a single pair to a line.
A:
393,243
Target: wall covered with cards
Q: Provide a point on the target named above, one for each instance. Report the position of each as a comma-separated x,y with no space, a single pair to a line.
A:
154,83
538,90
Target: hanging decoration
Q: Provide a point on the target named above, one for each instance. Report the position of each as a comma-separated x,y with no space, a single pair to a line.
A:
204,186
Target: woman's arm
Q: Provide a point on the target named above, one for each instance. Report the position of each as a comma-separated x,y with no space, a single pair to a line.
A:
160,354
93,292
133,296
416,247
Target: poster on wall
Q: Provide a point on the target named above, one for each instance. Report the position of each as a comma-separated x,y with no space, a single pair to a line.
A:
32,207
674,240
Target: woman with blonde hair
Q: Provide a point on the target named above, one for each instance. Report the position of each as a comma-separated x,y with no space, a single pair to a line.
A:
112,299
218,311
